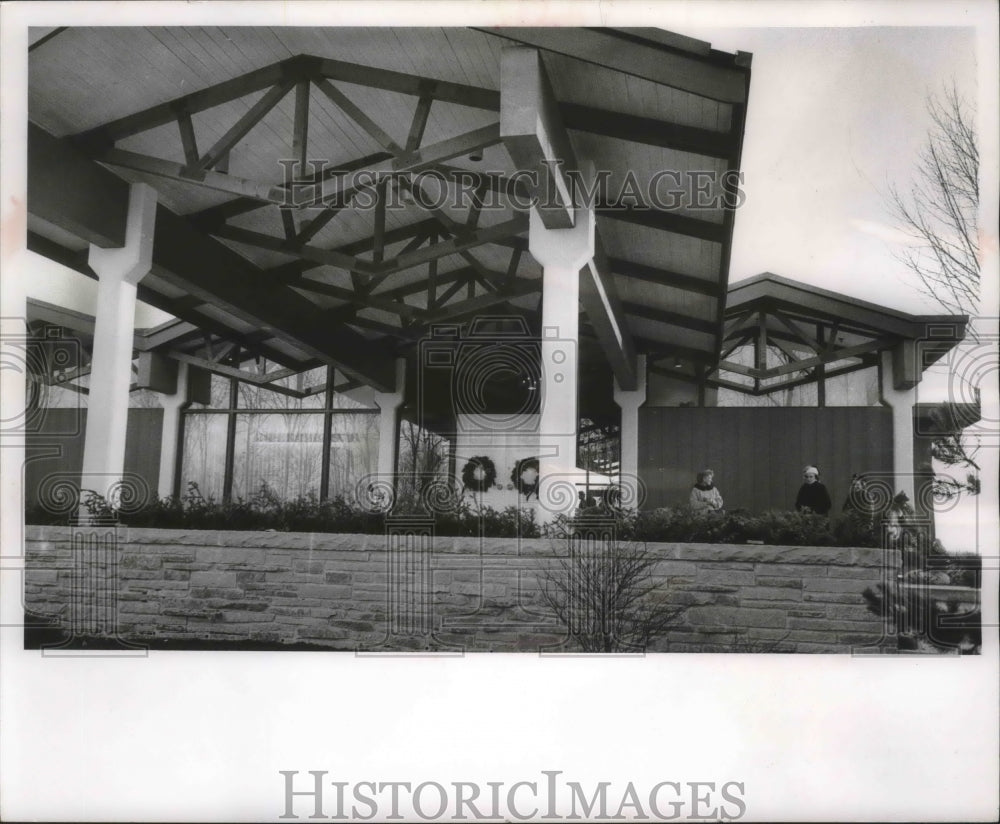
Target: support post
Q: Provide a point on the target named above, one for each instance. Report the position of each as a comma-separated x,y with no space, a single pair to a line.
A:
630,401
119,271
172,404
388,425
901,401
562,254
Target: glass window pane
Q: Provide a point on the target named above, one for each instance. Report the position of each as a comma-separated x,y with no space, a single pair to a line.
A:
282,451
204,460
260,397
858,388
353,452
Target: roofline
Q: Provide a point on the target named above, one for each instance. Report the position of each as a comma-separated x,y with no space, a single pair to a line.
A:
839,296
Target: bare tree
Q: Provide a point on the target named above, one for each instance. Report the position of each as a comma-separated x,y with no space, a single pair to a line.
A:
941,207
611,599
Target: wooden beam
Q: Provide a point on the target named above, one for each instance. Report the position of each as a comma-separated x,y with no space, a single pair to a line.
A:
477,304
642,310
829,356
451,226
392,81
866,362
432,271
328,257
242,126
665,277
419,123
203,267
760,345
300,126
796,331
462,241
316,225
648,131
219,214
581,118
606,314
414,161
192,103
512,266
357,301
348,107
66,189
452,290
289,271
230,371
668,67
534,136
664,221
378,235
651,346
255,189
188,140
288,224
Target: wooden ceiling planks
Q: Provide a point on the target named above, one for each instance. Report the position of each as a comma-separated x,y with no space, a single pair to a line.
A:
457,56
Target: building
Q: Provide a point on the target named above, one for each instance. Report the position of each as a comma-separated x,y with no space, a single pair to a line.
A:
358,228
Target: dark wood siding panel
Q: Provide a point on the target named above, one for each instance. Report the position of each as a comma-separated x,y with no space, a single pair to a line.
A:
758,454
64,429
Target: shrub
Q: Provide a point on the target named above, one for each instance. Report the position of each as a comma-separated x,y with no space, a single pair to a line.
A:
609,600
265,510
682,525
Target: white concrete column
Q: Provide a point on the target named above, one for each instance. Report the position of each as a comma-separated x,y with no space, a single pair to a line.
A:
562,253
118,270
901,401
630,401
170,433
388,436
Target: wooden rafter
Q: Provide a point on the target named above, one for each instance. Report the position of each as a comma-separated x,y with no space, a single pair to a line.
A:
242,126
796,331
462,241
328,257
188,140
805,364
642,310
369,126
577,117
665,277
664,221
419,123
300,126
198,101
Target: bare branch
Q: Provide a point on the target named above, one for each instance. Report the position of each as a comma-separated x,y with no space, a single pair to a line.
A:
940,209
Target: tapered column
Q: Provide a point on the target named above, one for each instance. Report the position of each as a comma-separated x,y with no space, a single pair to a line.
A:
562,254
630,401
118,270
388,425
170,435
899,391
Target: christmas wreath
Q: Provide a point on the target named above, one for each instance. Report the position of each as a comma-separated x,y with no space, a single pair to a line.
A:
479,474
525,477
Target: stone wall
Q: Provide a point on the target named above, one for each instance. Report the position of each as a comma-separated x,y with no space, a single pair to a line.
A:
349,591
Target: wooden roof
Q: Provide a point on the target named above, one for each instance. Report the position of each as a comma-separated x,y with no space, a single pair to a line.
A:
208,115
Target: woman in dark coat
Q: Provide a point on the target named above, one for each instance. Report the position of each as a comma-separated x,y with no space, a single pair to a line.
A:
813,496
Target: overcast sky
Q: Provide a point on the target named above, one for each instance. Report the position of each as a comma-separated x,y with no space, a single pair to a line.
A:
834,116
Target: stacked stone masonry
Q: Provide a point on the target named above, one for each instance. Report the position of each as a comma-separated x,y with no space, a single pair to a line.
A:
348,592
